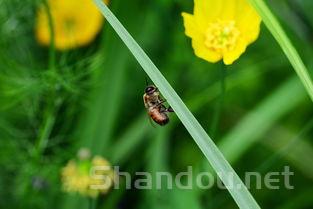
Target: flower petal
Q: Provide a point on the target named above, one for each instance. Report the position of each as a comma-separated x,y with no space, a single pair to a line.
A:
229,9
231,56
248,21
207,10
204,53
76,23
191,26
193,30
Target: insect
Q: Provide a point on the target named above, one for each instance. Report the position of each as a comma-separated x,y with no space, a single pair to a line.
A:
155,105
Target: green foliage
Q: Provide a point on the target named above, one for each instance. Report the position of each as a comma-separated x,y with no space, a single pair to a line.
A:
92,97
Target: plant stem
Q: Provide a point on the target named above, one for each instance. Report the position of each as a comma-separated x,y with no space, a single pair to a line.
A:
219,104
91,203
52,53
45,133
279,34
46,129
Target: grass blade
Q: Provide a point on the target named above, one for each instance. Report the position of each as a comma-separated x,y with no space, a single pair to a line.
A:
134,134
259,120
253,126
277,31
235,186
294,147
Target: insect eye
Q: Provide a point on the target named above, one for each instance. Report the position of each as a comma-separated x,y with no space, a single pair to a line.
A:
150,89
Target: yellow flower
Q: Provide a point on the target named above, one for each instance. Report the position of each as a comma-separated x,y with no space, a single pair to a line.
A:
75,22
221,29
76,175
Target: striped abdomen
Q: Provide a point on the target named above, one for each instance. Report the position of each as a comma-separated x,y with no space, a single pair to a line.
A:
160,118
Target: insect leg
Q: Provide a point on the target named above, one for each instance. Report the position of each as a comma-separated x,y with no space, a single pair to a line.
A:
160,103
169,109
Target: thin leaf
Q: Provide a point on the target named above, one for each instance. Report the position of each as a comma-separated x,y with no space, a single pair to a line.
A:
226,173
277,31
259,120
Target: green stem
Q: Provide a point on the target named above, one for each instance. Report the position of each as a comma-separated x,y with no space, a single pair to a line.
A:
219,104
279,34
48,124
91,203
52,53
45,133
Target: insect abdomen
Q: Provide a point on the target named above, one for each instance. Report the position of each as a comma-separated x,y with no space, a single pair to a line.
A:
158,117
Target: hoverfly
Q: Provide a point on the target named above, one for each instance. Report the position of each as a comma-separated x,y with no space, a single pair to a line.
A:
154,104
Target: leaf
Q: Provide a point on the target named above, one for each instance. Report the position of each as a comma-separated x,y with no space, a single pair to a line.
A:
277,31
235,186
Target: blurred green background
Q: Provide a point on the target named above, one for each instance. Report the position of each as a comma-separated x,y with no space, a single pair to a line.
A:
256,110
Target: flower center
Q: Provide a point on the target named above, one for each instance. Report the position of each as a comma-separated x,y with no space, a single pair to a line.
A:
221,36
69,24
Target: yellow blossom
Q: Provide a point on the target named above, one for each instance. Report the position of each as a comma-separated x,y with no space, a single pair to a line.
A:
75,23
221,29
76,175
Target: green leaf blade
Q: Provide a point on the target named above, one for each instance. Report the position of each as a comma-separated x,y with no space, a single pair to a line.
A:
225,172
290,51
